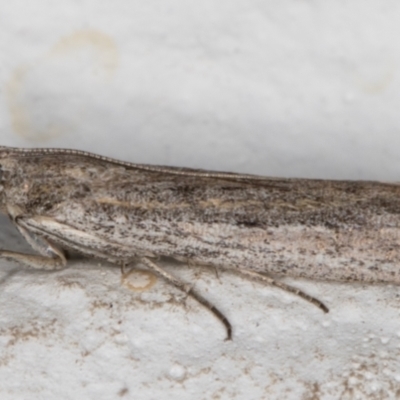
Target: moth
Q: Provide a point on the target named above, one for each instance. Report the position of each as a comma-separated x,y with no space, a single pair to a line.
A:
259,227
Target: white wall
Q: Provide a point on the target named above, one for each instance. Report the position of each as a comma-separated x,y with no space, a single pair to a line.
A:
289,88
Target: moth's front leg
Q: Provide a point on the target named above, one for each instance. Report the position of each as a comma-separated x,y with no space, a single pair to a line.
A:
51,257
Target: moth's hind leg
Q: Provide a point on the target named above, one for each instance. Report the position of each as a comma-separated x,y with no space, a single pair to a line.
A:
50,258
265,278
189,290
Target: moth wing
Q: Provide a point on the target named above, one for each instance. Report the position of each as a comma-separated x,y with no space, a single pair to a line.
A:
85,242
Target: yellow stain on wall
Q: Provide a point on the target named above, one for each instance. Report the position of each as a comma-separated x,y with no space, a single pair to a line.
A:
85,49
102,45
19,117
138,280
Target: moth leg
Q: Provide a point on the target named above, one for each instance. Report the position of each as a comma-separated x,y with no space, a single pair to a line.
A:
123,268
190,292
265,278
192,263
50,258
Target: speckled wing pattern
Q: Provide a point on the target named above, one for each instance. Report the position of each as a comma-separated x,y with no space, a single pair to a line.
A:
118,211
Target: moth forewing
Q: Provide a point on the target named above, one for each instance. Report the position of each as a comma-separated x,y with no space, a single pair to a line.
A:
260,227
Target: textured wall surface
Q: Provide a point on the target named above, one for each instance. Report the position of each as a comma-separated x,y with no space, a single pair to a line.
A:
289,88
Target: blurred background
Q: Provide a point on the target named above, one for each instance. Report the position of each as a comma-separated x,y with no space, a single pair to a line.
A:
293,88
290,88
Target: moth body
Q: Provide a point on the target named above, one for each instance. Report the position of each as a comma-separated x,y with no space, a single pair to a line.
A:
258,226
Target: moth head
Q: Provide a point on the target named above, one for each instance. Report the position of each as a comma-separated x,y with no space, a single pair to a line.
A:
5,156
